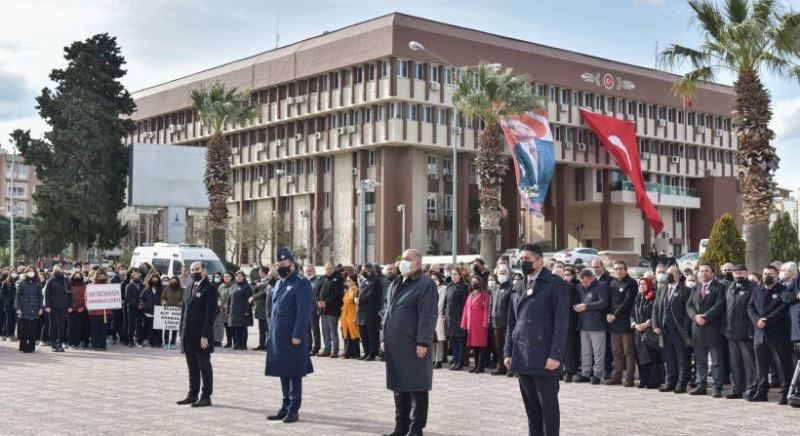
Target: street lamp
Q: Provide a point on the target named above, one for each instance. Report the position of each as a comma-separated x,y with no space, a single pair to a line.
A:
11,200
402,209
366,185
416,46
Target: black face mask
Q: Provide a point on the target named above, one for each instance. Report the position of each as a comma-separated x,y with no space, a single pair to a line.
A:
476,286
196,276
741,281
527,268
174,285
671,278
77,280
477,269
57,274
769,280
729,276
284,271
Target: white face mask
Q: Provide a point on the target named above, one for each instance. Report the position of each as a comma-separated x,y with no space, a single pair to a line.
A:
30,274
492,283
502,278
15,275
691,284
662,277
782,275
405,267
217,280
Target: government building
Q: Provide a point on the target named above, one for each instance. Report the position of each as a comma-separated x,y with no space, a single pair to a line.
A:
358,104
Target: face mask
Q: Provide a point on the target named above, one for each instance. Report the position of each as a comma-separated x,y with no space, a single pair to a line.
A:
782,275
527,267
196,276
741,281
662,277
477,269
405,267
729,276
769,280
476,286
77,279
174,285
502,278
30,274
283,271
447,275
515,281
217,280
691,284
492,283
57,274
15,275
671,278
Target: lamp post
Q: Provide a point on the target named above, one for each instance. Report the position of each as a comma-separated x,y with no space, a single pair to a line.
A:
11,200
366,185
402,209
416,46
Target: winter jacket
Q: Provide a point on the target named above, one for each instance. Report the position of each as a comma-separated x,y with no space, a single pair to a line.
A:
56,293
172,297
28,299
78,293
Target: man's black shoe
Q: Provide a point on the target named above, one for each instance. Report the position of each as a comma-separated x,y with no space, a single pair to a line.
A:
370,358
186,401
595,381
733,396
716,394
698,391
758,399
291,417
396,433
783,401
681,389
666,388
279,415
414,433
582,379
203,402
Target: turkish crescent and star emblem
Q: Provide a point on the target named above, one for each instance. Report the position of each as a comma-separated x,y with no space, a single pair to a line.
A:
608,81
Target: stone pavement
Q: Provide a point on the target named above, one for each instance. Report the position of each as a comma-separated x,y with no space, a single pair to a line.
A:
133,391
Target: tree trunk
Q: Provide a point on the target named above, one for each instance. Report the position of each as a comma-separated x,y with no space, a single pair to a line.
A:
491,166
218,242
757,163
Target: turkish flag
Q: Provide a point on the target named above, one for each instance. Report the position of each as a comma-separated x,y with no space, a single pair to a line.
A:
619,138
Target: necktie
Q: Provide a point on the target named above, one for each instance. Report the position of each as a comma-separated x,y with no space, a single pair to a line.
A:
671,293
703,292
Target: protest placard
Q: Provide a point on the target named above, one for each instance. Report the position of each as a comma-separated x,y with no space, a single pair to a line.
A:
105,296
167,318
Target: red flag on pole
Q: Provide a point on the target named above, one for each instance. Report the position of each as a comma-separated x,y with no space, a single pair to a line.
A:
687,101
619,138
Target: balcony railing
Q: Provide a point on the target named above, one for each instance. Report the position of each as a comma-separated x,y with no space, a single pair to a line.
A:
657,187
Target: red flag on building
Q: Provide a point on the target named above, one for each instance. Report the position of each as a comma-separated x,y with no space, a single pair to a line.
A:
619,138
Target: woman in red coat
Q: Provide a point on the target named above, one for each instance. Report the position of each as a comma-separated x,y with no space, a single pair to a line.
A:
475,320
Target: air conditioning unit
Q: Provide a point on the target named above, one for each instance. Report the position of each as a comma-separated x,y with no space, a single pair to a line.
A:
340,130
354,171
279,142
666,234
318,135
581,146
259,146
298,136
434,86
645,155
261,180
448,177
662,122
289,100
630,117
567,145
676,159
353,129
369,207
235,150
718,132
564,107
700,129
148,135
289,179
708,173
299,99
432,176
608,112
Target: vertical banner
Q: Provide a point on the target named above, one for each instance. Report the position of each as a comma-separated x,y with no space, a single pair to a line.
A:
530,142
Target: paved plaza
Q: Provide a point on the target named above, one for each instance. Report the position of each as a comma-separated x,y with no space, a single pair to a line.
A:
133,391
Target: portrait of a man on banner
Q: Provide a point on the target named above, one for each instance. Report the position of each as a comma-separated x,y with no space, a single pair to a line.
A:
531,145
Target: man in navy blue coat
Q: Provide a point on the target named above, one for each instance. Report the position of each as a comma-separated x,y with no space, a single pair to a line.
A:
287,350
536,337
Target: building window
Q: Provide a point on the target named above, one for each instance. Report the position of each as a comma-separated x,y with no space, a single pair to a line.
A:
372,159
431,165
680,117
598,182
20,171
448,204
371,69
556,132
402,68
384,69
301,167
640,109
564,96
679,215
431,205
539,90
368,115
412,112
326,200
553,93
434,73
427,114
441,116
311,166
328,163
17,191
609,104
379,113
671,115
587,100
396,110
419,71
598,102
359,74
580,192
447,167
651,111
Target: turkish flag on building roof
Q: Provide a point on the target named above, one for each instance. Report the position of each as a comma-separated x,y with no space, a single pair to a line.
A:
619,138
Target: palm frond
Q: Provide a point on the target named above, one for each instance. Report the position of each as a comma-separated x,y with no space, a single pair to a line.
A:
737,10
763,10
786,36
675,55
687,85
708,16
487,94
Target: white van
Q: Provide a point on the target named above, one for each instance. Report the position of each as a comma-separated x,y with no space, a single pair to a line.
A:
169,258
702,247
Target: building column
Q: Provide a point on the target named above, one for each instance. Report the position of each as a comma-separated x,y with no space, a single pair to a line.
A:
560,223
395,164
462,191
511,202
605,213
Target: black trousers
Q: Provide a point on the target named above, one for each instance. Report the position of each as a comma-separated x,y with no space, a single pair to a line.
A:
78,329
314,336
779,356
130,325
199,365
572,352
27,335
58,327
540,395
263,333
411,411
370,339
743,366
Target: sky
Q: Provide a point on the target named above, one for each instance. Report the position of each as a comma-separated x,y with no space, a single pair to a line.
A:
163,40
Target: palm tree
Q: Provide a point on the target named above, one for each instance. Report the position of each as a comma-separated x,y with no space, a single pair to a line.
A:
744,39
219,109
489,95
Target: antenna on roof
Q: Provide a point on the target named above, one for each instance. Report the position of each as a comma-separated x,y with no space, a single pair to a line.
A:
277,29
655,62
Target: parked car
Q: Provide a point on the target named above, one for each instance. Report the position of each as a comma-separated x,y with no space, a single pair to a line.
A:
689,260
577,256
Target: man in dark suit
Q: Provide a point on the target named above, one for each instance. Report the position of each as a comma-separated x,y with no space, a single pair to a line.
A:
673,327
706,308
287,355
197,335
536,337
769,315
369,304
738,330
406,340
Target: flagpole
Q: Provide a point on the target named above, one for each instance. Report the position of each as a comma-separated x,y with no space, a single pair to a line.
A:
685,187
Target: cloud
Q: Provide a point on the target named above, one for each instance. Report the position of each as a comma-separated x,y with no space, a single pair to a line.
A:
16,98
786,124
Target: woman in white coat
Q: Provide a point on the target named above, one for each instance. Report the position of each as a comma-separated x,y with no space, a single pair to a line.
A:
440,343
